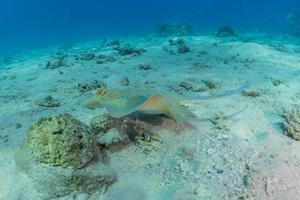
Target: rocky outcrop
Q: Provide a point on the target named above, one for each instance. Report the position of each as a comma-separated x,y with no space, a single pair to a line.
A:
60,156
291,124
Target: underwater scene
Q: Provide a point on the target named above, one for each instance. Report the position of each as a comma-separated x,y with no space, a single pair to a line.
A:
149,100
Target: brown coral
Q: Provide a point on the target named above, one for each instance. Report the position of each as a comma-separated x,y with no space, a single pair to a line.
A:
291,124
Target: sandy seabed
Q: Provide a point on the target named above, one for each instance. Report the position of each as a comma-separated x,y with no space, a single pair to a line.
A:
246,156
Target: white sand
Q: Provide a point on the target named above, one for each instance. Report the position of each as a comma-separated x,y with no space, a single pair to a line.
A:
249,156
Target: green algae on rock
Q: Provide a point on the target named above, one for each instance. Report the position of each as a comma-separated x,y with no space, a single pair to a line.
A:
60,156
61,141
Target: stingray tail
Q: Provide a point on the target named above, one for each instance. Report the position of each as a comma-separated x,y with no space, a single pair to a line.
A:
217,96
228,116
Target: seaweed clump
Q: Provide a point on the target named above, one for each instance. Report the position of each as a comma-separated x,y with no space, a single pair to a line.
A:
64,150
172,29
225,31
293,20
291,124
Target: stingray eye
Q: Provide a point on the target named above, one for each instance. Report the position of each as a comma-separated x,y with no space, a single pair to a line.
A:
101,91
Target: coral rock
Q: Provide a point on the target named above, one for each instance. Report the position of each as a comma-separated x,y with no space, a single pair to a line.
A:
85,87
108,130
60,156
61,141
128,50
101,123
291,124
129,129
179,43
182,48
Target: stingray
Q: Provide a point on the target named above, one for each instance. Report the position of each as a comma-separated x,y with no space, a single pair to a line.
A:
123,102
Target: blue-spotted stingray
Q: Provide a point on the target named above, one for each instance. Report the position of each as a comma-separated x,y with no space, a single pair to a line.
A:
123,102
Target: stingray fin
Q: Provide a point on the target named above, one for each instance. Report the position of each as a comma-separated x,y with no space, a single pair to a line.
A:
158,104
155,104
93,103
121,106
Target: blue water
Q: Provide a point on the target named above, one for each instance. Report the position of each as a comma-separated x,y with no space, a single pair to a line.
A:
27,24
